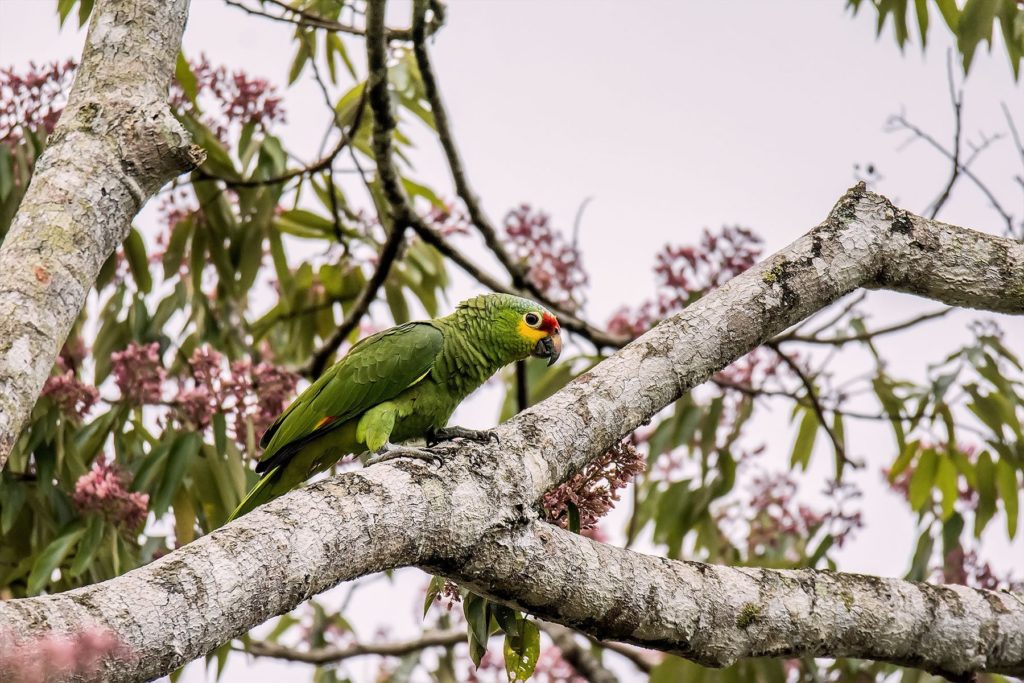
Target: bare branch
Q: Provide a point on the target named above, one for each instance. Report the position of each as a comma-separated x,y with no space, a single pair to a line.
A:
580,658
333,655
864,336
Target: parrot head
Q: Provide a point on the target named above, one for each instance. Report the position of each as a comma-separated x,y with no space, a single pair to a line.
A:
522,327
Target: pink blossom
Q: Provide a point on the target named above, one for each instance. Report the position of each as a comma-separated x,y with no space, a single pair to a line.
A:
57,656
73,397
553,264
686,273
104,490
139,373
595,490
33,100
235,99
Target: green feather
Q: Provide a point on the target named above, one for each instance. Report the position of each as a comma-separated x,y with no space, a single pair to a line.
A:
395,385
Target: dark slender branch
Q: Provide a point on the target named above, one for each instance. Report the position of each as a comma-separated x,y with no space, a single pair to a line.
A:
521,284
522,387
386,258
645,660
957,99
850,304
901,121
819,411
579,657
865,336
462,187
332,655
305,19
598,337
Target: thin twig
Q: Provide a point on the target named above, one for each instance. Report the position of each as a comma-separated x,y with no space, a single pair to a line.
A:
476,213
596,336
331,655
865,336
901,120
579,658
386,258
309,20
957,99
812,396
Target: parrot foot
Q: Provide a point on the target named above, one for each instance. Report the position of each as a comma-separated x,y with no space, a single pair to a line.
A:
391,452
449,433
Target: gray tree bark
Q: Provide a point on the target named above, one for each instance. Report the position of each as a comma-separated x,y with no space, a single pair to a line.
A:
474,518
116,144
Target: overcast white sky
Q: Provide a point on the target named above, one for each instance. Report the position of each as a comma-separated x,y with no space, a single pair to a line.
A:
672,117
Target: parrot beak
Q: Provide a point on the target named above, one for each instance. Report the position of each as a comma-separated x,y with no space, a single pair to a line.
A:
549,347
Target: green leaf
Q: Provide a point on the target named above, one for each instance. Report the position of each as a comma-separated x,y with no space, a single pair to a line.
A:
88,545
921,8
433,590
135,252
922,556
805,437
521,653
986,470
478,620
975,25
6,172
946,478
186,79
923,478
1006,482
184,449
52,557
574,517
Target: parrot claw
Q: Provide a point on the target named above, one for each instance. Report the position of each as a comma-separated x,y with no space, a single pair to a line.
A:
391,452
449,433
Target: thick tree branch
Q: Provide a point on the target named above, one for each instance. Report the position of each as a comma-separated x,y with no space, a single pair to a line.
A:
473,518
116,144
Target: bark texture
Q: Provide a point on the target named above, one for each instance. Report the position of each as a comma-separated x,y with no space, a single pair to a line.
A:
116,144
474,518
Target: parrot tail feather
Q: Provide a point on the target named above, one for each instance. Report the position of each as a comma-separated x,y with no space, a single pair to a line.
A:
261,493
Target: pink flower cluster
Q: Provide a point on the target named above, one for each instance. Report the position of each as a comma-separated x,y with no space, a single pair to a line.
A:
248,393
554,265
451,220
237,98
57,656
139,373
684,274
967,569
776,517
33,100
595,490
104,490
73,397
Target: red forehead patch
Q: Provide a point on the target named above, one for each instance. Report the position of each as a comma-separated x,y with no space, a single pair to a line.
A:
550,322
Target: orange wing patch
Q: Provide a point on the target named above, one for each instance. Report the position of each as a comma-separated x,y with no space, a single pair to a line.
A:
324,422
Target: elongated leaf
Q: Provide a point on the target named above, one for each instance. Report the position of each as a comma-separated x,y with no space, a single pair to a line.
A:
521,653
1009,491
923,479
433,590
52,557
805,437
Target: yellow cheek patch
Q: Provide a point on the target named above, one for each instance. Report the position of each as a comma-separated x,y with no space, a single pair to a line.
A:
533,334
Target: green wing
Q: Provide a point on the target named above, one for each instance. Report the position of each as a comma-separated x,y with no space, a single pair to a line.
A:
375,370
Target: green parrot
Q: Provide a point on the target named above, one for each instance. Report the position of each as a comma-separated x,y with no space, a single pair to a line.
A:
400,384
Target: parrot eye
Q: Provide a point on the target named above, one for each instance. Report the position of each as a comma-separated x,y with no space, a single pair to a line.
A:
532,319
